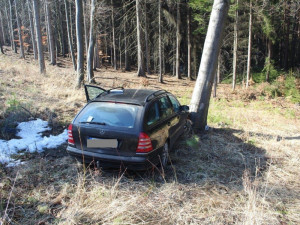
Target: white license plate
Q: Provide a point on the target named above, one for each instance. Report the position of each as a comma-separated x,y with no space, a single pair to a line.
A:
102,143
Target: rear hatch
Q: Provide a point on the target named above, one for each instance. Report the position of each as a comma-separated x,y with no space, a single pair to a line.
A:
107,128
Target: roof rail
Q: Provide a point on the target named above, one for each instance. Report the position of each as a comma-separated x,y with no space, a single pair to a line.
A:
154,94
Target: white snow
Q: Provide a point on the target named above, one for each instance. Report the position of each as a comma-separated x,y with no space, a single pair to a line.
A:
31,140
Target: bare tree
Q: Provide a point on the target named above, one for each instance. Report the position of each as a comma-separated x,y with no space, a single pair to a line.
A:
50,34
80,43
22,54
249,46
14,47
203,86
235,46
178,40
189,42
160,78
36,10
141,70
113,35
70,38
32,34
90,56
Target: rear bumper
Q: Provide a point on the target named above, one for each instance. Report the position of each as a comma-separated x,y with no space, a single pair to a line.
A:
141,162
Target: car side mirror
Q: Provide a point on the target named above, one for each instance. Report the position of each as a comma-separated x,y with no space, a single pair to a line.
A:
184,108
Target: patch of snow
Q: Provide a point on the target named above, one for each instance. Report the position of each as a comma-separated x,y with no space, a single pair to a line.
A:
31,140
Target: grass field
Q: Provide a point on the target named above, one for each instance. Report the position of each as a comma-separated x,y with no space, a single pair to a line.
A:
243,170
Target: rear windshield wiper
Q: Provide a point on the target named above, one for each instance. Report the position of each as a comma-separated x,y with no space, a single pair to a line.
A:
98,123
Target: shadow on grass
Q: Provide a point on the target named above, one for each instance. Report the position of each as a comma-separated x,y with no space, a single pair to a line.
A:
220,155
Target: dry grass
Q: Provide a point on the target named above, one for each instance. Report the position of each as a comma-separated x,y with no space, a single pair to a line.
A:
244,170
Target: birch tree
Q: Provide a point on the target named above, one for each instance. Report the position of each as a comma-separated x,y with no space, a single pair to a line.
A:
249,46
203,86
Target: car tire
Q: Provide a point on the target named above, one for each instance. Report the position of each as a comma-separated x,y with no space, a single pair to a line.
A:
164,157
188,129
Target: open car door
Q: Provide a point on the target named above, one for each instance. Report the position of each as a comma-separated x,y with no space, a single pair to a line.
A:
92,92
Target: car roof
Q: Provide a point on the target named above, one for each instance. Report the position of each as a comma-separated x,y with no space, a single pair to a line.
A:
131,96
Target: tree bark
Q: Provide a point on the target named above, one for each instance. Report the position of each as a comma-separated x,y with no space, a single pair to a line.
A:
235,46
9,27
80,43
160,78
113,35
269,60
189,42
127,65
22,53
36,10
2,29
85,26
178,40
14,46
147,41
50,34
249,46
203,86
69,28
90,56
141,69
33,41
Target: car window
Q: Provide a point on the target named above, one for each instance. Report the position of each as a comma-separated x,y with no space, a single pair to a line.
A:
165,107
153,114
175,103
111,114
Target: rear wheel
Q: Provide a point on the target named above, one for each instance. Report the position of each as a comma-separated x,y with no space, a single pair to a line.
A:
188,129
164,158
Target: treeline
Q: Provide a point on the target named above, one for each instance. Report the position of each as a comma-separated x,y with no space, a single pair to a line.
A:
154,36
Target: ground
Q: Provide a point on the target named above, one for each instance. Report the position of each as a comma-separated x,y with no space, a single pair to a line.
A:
243,170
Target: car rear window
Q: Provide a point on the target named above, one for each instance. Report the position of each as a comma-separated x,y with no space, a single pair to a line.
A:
110,114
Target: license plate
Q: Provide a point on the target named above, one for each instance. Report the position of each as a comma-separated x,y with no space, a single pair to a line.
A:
102,143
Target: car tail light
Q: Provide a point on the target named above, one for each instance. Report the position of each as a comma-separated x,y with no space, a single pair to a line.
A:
144,144
70,135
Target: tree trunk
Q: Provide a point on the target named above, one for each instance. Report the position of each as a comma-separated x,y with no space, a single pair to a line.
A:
219,69
70,41
141,70
14,47
2,29
32,31
96,55
203,86
235,46
178,39
269,60
9,27
215,84
22,53
249,46
120,52
189,41
90,56
147,41
127,65
85,25
80,43
113,35
50,33
160,78
36,10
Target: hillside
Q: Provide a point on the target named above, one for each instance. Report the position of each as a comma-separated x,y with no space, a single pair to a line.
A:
243,170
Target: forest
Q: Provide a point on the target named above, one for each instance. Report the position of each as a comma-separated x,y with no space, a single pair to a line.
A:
161,37
235,63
